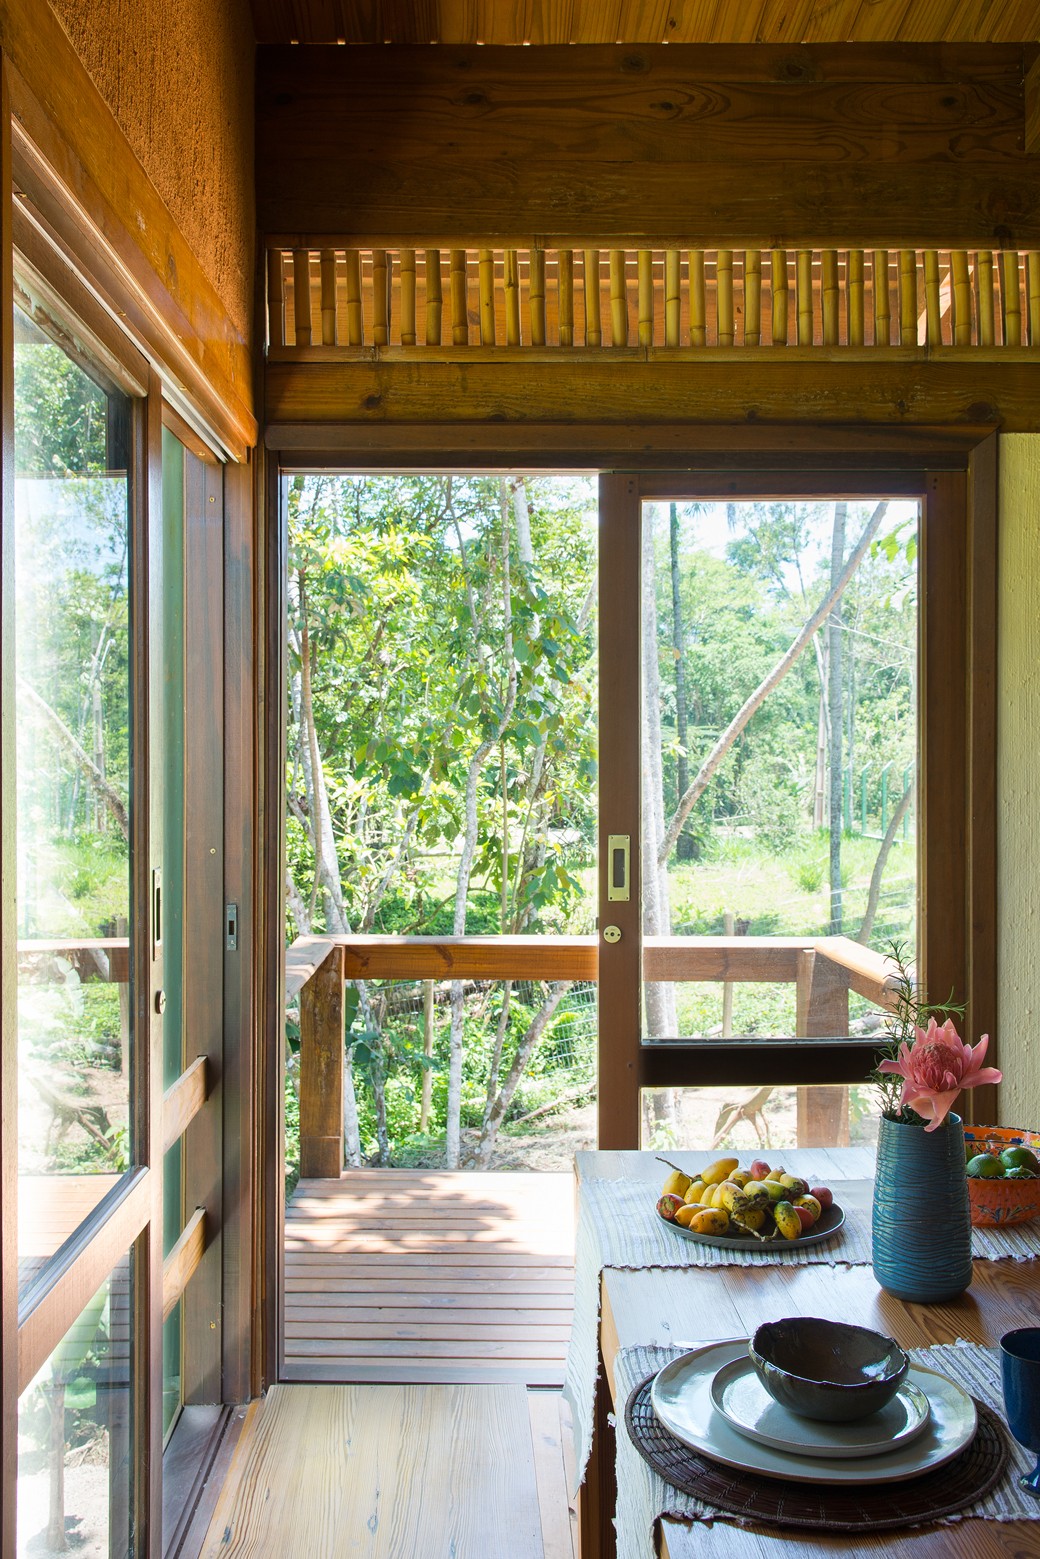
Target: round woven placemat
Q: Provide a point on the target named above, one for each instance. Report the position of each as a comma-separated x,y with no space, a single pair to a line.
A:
824,1506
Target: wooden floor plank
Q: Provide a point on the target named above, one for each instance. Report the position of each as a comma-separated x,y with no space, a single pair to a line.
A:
402,1274
558,1541
382,1472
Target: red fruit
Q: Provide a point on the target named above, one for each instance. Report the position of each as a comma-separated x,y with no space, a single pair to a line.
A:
759,1169
823,1194
806,1216
669,1205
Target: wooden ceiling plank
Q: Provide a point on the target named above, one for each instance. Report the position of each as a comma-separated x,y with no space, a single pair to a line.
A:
410,21
745,25
1016,22
458,21
598,21
505,21
553,21
880,21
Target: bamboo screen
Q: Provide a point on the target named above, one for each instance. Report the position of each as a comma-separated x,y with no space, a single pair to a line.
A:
642,298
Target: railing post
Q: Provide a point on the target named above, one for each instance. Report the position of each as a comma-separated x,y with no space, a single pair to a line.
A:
321,1071
821,1012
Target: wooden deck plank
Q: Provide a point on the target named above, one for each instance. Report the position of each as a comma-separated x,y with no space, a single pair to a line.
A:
558,1536
381,1472
429,1276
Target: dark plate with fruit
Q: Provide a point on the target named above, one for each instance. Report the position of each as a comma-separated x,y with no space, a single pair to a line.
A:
825,1227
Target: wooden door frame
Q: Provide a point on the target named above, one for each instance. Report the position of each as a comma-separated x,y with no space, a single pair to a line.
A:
958,713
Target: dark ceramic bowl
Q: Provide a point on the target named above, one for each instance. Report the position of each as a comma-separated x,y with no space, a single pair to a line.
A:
825,1369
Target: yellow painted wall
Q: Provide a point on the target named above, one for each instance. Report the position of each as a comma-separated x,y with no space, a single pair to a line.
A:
178,76
1018,779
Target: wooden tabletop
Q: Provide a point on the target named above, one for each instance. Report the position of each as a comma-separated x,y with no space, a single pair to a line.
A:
678,1305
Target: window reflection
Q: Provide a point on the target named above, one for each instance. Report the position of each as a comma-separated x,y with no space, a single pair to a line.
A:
72,648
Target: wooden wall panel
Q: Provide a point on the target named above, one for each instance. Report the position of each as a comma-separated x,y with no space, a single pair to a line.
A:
891,147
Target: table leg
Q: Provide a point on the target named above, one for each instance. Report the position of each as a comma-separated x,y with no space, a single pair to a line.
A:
597,1497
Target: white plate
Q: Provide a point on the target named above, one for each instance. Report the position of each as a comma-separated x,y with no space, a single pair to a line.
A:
739,1395
681,1398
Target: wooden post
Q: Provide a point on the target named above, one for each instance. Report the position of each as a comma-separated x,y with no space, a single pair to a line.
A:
406,263
328,297
724,295
511,288
352,293
821,1012
321,1071
780,291
752,297
380,298
536,296
593,309
932,296
434,297
698,300
829,296
961,297
854,296
618,299
565,286
672,296
426,1090
275,298
486,276
804,297
882,299
908,297
1033,295
984,283
1011,293
459,298
645,272
301,266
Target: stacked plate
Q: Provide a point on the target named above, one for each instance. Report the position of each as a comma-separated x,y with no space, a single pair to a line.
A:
713,1401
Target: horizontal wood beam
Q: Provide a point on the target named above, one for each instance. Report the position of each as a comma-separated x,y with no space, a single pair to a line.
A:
749,386
183,1100
893,145
183,1261
304,958
98,958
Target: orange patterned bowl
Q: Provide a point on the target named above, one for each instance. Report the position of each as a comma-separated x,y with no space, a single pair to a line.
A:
1001,1201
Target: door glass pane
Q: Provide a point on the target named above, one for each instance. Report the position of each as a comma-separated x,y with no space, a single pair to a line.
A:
72,703
75,1433
779,739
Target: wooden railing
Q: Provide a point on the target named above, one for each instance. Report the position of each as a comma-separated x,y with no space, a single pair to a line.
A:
823,971
327,300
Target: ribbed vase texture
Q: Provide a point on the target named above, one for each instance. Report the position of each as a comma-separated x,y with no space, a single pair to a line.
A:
922,1219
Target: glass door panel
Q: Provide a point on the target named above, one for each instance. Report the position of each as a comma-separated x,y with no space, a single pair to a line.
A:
73,729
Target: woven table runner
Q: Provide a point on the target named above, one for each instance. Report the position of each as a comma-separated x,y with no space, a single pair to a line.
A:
643,1497
619,1227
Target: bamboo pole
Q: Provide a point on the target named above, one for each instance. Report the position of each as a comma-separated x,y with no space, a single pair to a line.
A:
327,272
565,285
434,297
380,298
932,298
352,293
645,272
698,300
459,294
781,295
961,297
406,267
908,297
672,296
593,307
804,297
275,298
1033,297
753,297
1011,293
618,299
511,284
724,295
984,283
882,299
536,296
301,266
854,297
829,296
486,278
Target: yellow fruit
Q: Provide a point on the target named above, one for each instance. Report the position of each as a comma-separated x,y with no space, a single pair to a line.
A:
719,1171
812,1204
753,1218
676,1184
769,1188
795,1184
710,1220
788,1223
739,1177
686,1213
695,1191
731,1197
774,1174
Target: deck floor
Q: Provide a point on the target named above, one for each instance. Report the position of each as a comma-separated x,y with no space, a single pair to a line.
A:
429,1276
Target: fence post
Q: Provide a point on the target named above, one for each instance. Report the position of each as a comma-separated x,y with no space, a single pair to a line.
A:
821,1012
321,1071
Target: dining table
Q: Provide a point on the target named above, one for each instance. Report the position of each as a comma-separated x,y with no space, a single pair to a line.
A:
686,1306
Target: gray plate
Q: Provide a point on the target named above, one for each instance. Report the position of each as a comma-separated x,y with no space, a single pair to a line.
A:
739,1395
827,1226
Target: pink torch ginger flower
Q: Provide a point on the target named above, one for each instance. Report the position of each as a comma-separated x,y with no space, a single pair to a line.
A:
936,1067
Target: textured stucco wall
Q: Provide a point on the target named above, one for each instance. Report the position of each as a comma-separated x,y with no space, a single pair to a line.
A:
178,76
1018,779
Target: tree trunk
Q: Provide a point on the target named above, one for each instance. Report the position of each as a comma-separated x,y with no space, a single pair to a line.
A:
775,677
874,893
684,844
834,713
820,785
494,1117
56,1540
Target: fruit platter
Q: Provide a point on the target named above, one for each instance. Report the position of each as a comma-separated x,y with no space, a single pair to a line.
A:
727,1205
1003,1174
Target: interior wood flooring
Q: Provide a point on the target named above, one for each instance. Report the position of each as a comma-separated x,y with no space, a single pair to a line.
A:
396,1472
429,1276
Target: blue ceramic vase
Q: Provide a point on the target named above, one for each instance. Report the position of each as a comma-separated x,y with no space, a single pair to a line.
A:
922,1219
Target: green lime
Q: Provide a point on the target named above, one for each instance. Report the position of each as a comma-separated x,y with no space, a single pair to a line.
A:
985,1166
1020,1158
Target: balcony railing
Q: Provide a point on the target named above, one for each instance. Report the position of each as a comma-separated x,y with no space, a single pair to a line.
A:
823,971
